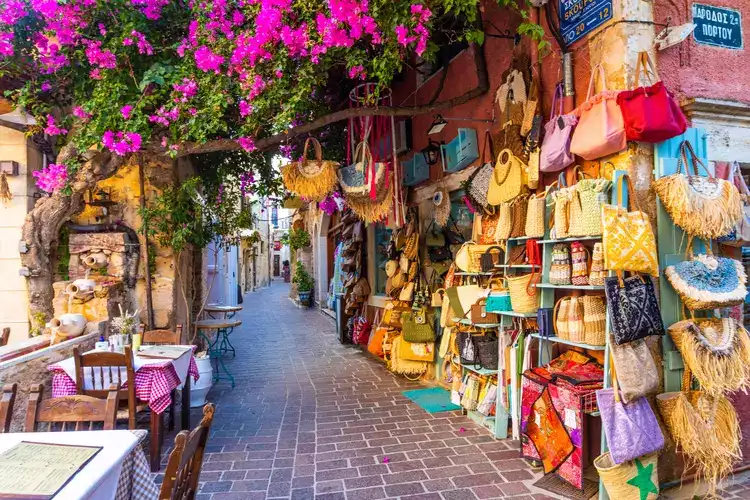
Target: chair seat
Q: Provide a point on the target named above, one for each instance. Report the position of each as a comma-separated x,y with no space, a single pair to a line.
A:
124,414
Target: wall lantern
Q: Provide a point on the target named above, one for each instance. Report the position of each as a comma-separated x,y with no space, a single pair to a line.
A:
432,152
438,124
9,167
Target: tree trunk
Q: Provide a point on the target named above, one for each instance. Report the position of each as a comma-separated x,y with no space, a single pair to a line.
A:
42,226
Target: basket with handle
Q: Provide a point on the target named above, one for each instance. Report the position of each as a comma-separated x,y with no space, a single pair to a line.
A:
311,179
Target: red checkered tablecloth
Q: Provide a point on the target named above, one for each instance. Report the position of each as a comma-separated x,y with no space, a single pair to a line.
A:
153,383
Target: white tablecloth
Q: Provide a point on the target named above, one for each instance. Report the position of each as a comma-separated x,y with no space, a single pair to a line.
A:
181,366
98,478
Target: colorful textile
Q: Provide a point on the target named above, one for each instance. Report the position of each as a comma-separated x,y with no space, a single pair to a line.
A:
547,433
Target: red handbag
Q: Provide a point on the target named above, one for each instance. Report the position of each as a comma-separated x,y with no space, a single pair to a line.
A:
650,113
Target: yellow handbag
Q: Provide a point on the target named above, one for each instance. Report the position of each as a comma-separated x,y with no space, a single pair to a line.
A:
628,239
401,365
504,222
311,179
417,351
469,255
508,179
446,313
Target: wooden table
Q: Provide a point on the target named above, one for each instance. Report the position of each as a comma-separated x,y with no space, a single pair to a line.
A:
218,345
98,479
227,312
161,376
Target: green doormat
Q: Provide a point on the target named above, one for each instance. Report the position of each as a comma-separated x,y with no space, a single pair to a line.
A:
432,400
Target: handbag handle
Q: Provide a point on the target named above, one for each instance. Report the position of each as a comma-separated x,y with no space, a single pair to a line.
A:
631,195
508,163
562,182
363,149
488,143
318,151
555,310
602,77
644,63
685,148
557,102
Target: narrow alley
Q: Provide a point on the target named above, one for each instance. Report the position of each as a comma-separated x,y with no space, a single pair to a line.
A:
312,419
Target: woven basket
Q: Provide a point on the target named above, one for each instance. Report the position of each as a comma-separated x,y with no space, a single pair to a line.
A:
524,296
519,209
615,477
504,222
594,320
560,269
371,212
311,179
598,274
537,205
561,311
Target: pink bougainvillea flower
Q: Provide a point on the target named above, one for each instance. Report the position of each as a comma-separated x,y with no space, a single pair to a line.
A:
12,11
357,72
245,108
246,143
51,178
207,60
6,44
188,89
126,111
52,128
79,112
122,143
46,86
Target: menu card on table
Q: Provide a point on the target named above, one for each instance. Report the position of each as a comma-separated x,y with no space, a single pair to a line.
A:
37,471
163,351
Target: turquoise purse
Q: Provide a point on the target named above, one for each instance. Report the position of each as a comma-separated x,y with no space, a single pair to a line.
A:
498,302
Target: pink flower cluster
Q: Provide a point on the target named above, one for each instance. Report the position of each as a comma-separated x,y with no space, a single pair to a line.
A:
52,128
247,143
357,72
11,11
245,108
51,178
332,203
151,8
122,143
207,60
420,15
247,179
79,112
6,44
164,116
187,89
126,111
103,59
140,39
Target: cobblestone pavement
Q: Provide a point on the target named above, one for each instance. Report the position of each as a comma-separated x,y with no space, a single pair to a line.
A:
311,419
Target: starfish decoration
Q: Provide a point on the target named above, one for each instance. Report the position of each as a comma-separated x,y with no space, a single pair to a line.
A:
642,480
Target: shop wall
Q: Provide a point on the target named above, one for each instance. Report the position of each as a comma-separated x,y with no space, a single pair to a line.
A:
693,70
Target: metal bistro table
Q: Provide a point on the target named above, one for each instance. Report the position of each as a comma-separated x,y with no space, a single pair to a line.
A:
216,348
226,312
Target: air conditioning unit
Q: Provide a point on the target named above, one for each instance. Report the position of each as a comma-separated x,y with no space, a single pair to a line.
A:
403,136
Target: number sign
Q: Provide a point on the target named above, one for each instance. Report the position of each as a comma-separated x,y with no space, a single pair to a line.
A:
717,26
580,17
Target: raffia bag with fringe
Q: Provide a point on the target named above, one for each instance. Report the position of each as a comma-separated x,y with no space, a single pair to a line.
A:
311,179
705,428
705,207
372,211
717,351
399,364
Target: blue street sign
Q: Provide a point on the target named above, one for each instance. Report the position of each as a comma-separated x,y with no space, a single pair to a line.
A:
717,26
580,17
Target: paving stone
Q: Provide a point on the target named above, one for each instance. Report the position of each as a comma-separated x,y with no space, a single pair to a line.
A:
311,419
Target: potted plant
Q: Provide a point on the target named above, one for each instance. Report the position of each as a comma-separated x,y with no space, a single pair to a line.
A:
304,283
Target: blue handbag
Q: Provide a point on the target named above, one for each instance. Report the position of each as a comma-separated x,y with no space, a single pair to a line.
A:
498,302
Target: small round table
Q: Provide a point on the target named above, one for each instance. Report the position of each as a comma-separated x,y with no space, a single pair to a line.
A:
227,311
215,349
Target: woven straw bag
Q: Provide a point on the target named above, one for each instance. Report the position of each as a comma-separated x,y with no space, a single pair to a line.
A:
518,211
592,195
568,318
617,478
594,320
562,197
597,274
508,179
478,184
580,257
628,239
537,207
364,179
530,107
560,320
705,207
311,179
524,296
560,269
504,222
370,211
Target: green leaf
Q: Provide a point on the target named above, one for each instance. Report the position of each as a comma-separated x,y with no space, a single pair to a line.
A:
475,36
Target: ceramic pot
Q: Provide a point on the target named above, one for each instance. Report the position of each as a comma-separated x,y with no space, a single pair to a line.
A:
199,389
95,260
304,298
69,325
80,286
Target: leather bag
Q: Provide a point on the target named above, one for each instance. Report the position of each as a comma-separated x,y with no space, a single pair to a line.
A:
480,316
633,308
601,129
492,256
650,113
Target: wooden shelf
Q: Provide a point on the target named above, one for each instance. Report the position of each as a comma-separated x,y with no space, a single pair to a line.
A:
517,315
522,238
462,273
465,321
569,342
518,266
570,287
570,240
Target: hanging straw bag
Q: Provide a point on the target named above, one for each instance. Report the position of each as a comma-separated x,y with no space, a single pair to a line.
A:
716,351
619,479
706,207
705,428
399,364
708,282
562,198
369,211
478,184
594,320
311,179
555,153
592,194
597,274
519,208
364,179
628,239
632,430
535,213
524,296
568,318
560,318
560,269
508,179
579,256
601,129
504,221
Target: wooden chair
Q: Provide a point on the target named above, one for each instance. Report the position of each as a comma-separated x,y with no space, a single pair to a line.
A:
5,337
163,337
186,460
6,406
105,369
75,411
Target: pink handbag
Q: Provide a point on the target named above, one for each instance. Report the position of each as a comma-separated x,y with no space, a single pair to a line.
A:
601,128
555,153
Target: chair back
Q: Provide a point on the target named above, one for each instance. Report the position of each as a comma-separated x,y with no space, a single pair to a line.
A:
96,371
5,337
6,406
78,413
186,460
162,337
